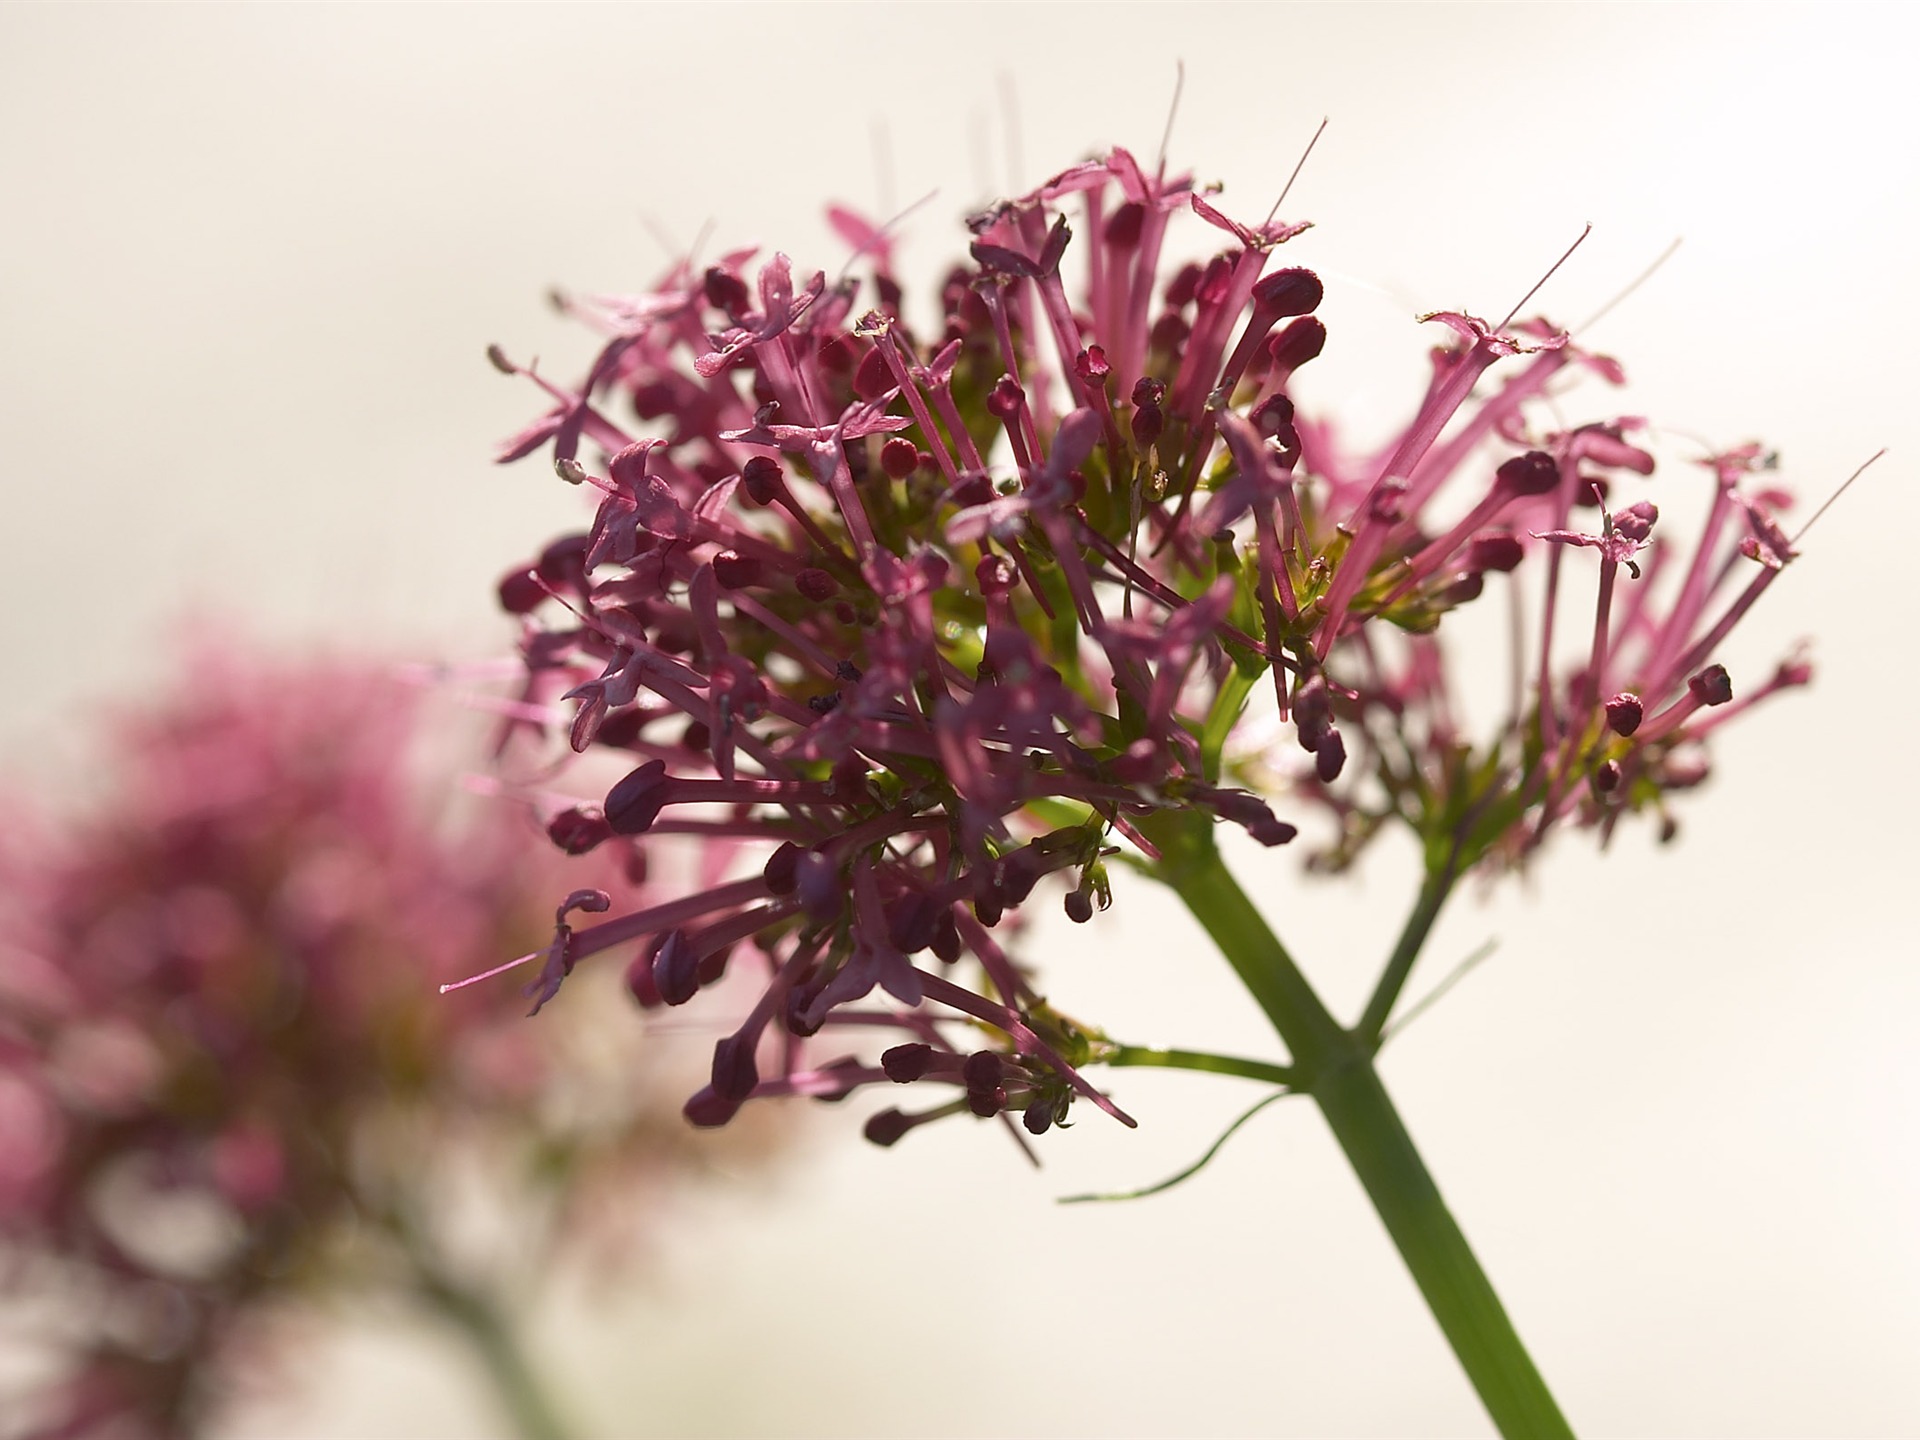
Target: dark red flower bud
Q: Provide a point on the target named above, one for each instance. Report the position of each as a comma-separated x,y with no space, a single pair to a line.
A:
1123,226
633,804
1091,366
987,1103
1330,758
563,564
738,572
735,1070
1038,1116
946,937
1079,906
1294,346
1624,713
1534,473
911,920
1636,521
779,870
1184,285
1712,686
989,900
1147,423
846,1078
982,1070
906,1063
621,729
760,477
639,977
887,1127
1019,873
708,1110
1005,399
577,831
724,291
521,591
899,457
1292,291
816,585
1312,713
1495,550
1606,777
676,968
874,378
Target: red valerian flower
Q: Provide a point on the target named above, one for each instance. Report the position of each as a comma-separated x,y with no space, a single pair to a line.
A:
941,617
225,1080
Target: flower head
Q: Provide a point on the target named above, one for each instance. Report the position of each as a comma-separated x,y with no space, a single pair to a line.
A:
225,1077
944,615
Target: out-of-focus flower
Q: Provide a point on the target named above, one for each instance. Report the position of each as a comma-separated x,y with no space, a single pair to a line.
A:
941,616
226,1077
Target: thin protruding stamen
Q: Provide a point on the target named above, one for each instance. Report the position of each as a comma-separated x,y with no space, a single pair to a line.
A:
1546,277
1298,166
1836,495
1632,285
1173,109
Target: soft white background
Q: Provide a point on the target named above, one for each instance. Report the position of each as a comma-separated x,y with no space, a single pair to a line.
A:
250,257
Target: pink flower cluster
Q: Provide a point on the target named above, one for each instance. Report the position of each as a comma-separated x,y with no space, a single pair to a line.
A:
225,1077
943,615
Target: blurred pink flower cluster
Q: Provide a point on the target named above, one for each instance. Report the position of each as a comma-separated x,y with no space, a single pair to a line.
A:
226,1076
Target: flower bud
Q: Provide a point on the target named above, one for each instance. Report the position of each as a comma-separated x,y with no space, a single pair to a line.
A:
885,1128
708,1110
1330,758
738,572
899,457
781,868
906,1063
735,1070
633,804
576,831
520,591
1293,291
760,477
1712,686
1534,473
676,968
1624,713
911,921
1495,550
1635,522
816,585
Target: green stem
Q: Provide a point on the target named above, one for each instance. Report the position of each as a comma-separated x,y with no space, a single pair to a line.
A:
1433,894
482,1325
1336,1068
1200,1060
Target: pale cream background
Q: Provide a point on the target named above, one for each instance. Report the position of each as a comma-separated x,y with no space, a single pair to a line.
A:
249,258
